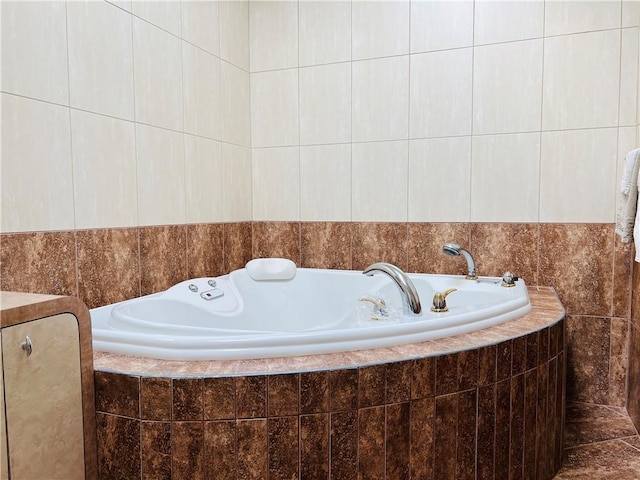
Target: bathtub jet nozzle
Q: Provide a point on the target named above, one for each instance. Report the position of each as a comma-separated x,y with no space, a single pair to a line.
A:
455,250
410,300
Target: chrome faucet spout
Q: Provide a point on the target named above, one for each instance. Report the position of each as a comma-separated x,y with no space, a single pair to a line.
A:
454,250
408,293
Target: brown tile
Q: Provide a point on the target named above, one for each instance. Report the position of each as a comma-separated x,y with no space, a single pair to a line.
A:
251,396
187,445
425,247
530,412
422,426
543,347
118,441
633,405
283,448
314,392
542,445
503,360
518,355
252,449
467,369
187,399
516,439
446,374
576,260
399,376
466,433
155,439
587,423
108,266
533,340
446,419
423,383
635,297
237,245
487,365
314,446
282,393
325,245
614,459
561,401
163,257
205,254
379,242
117,393
486,430
219,398
622,277
588,341
552,420
503,419
618,360
371,385
155,398
371,435
506,247
220,450
397,436
343,389
633,441
344,445
39,263
276,239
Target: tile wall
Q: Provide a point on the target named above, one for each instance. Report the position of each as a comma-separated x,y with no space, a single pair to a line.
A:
147,142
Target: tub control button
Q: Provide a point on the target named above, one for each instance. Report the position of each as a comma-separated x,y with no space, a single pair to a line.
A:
211,294
193,287
211,282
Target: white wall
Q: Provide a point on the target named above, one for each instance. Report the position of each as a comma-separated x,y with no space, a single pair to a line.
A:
125,113
441,111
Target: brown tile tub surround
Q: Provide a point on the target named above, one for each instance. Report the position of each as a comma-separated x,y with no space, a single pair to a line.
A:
588,266
426,411
634,350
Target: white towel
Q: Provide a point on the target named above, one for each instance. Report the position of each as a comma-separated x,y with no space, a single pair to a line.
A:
636,228
627,176
628,204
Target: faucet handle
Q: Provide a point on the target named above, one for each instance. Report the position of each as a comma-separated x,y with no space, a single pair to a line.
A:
379,307
439,302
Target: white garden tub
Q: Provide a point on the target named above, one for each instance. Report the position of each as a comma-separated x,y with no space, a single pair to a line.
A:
317,311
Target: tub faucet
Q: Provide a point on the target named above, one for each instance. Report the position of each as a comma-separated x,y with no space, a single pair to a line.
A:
410,300
454,250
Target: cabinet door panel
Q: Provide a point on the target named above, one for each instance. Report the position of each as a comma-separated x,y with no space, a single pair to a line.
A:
44,399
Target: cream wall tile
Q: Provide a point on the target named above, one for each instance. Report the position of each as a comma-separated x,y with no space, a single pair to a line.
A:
100,58
630,13
37,176
507,20
325,104
273,27
104,171
163,14
161,176
505,178
34,50
325,32
581,81
440,93
201,24
379,181
203,179
438,25
124,4
626,142
236,105
201,81
439,179
577,178
157,61
234,32
574,16
236,183
380,28
380,103
628,76
325,183
507,87
274,108
276,184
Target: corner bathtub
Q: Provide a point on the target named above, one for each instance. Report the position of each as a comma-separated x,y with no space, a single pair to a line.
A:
315,312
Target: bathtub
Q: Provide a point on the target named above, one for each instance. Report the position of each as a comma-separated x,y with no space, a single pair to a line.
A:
317,311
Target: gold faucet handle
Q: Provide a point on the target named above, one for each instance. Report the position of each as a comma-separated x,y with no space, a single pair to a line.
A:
439,302
378,302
